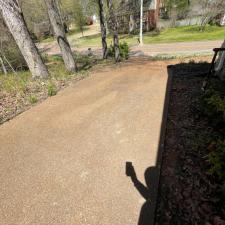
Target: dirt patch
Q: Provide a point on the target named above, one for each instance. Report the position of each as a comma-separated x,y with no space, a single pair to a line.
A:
187,194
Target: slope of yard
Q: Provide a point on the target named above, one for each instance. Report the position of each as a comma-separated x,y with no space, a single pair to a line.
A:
189,33
178,34
20,91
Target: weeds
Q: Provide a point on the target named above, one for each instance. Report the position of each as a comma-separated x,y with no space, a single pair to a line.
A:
52,89
33,99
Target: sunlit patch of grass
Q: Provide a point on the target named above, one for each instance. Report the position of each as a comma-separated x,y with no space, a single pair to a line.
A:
177,34
32,99
22,82
13,83
74,31
186,34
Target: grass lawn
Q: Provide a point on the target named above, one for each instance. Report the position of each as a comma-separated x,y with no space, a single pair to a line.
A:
178,34
188,33
72,32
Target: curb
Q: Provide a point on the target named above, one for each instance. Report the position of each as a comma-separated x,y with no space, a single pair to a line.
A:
162,142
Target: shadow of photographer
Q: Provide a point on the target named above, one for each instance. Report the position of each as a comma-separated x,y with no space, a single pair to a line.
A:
147,191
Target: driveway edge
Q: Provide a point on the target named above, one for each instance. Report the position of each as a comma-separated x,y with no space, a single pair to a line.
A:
162,141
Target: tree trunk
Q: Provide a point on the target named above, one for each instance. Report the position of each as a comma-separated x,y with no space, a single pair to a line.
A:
114,27
60,35
103,29
13,18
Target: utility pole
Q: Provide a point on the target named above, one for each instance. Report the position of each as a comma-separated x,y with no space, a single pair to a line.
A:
141,23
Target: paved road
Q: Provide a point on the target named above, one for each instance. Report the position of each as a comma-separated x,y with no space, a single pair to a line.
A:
63,161
180,48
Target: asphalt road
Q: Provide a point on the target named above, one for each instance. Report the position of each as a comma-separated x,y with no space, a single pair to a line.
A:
170,49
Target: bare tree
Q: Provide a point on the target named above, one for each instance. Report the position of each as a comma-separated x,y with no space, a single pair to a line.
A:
210,10
14,20
114,27
103,28
60,35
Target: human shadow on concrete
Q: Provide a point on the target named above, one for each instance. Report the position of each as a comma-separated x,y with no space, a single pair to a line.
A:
146,191
150,191
152,174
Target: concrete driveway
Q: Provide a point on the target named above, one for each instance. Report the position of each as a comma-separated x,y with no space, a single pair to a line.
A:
63,161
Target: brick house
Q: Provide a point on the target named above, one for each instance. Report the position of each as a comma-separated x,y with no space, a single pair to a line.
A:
128,15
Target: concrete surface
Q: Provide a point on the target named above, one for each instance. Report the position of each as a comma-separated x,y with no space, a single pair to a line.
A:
63,161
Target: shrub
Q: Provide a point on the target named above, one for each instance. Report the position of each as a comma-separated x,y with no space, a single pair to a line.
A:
217,162
213,103
33,99
52,90
124,51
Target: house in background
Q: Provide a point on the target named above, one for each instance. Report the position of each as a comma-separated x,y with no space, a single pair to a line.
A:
128,15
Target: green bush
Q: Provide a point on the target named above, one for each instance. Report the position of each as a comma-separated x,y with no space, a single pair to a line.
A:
52,90
213,103
124,51
213,107
217,162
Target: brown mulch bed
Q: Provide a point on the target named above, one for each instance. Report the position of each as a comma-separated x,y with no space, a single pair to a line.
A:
188,194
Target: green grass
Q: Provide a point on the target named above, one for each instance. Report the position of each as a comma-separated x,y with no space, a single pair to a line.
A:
185,34
178,34
14,83
23,84
52,89
74,31
33,99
